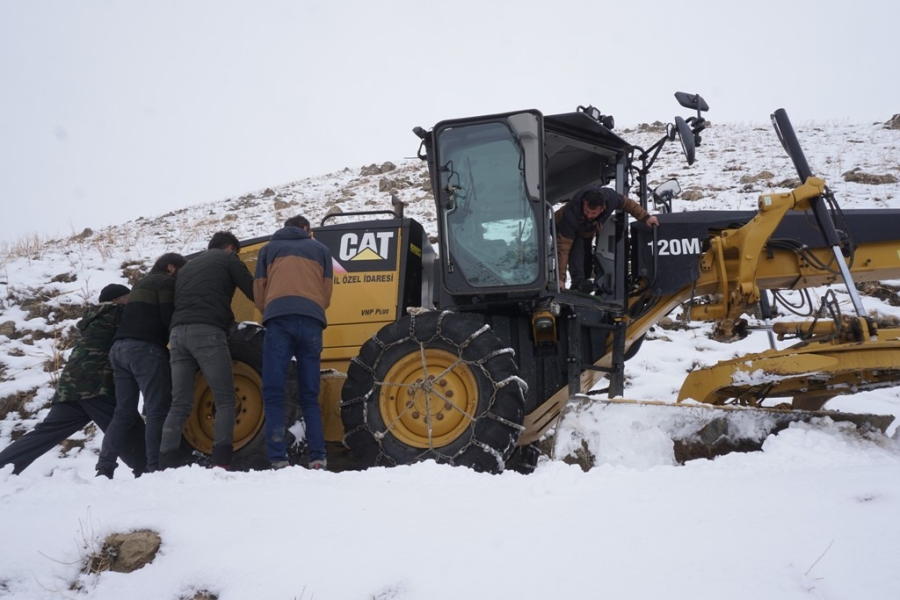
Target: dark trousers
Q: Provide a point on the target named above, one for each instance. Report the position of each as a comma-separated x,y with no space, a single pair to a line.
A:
139,369
63,420
205,348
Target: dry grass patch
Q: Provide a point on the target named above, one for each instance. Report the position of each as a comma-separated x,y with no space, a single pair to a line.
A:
30,246
16,403
882,291
857,175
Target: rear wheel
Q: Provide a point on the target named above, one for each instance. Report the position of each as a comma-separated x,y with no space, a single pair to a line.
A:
245,343
433,385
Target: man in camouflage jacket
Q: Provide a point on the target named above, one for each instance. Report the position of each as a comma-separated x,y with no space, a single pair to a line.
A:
85,391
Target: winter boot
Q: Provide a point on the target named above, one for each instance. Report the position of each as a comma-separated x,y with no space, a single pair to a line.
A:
221,457
320,464
105,471
168,460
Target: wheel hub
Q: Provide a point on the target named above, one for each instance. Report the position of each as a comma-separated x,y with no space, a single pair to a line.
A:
428,398
199,430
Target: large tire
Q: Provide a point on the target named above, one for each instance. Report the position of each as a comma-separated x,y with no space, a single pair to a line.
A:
245,343
435,385
524,459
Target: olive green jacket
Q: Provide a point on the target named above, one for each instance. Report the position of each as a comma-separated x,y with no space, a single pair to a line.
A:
87,373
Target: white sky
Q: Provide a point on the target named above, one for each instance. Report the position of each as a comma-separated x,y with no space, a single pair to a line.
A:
114,110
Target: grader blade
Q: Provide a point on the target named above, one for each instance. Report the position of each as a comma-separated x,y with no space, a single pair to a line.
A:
808,374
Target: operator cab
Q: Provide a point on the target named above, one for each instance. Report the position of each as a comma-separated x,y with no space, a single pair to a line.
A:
497,180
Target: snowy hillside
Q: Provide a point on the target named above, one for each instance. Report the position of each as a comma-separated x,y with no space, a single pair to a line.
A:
811,515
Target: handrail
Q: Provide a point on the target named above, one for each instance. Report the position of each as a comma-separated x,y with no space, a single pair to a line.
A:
357,213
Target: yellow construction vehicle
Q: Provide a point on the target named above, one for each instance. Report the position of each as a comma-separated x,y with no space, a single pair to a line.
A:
467,353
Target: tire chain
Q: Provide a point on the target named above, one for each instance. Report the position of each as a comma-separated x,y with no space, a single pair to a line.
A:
460,348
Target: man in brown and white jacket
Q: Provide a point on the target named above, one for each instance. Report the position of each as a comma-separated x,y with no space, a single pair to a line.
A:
292,289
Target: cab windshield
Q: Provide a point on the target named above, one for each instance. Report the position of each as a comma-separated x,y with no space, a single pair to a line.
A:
490,228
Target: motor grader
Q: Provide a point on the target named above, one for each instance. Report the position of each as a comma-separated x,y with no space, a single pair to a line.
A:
468,352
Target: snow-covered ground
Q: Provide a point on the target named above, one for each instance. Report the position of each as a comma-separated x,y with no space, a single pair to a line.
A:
811,515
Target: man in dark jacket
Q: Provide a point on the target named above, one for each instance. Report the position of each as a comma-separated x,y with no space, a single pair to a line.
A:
580,219
292,289
198,340
140,363
84,392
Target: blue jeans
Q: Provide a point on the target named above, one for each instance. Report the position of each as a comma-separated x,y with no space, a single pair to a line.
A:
300,337
139,368
203,347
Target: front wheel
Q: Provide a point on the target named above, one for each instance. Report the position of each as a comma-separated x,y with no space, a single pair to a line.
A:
434,385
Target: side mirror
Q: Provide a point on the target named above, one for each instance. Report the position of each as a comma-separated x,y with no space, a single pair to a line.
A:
686,135
692,101
664,193
666,190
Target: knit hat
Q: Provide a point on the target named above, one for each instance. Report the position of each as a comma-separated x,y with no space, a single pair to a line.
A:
113,291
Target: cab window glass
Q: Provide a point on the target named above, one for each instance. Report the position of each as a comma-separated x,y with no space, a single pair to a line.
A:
489,219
